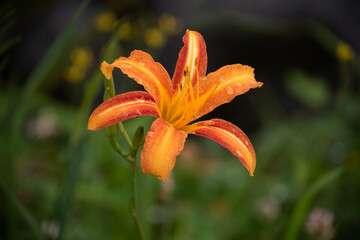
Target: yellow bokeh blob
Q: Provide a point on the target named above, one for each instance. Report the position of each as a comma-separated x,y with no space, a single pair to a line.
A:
81,57
168,24
74,74
154,38
124,32
344,52
106,21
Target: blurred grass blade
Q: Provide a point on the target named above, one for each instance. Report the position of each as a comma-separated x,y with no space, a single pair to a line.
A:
42,69
71,177
75,144
23,211
91,89
13,120
329,41
302,207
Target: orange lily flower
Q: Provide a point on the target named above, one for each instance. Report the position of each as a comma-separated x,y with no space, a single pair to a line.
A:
177,102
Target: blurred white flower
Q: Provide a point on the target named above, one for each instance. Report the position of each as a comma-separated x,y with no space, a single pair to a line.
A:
320,223
268,208
51,228
42,126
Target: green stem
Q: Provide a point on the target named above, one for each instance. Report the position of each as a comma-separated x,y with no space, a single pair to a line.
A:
133,201
109,93
124,134
111,133
131,158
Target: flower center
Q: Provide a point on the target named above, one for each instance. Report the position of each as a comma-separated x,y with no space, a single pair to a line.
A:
186,102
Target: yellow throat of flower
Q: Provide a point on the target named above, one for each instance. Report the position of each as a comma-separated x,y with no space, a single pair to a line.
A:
186,102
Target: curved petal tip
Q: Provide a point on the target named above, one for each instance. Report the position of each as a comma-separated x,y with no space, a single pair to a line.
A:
106,69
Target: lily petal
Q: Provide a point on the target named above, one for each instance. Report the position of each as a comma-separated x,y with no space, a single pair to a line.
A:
224,85
192,57
162,144
122,107
229,136
141,67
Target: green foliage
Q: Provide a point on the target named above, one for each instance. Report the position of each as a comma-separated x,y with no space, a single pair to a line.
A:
60,181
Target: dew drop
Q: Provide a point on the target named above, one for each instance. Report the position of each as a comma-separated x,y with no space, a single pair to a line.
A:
238,84
127,66
150,133
229,91
211,107
239,153
222,80
141,64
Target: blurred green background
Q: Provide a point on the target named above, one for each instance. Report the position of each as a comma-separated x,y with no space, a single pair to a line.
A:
60,181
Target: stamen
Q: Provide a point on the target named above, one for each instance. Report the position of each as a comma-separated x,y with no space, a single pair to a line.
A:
191,89
187,101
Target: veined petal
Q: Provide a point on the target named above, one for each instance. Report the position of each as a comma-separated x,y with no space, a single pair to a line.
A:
229,136
141,67
122,107
224,85
162,144
192,57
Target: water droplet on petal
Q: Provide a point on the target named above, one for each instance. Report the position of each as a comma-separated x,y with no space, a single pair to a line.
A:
229,91
141,64
238,84
239,153
211,107
150,133
222,80
127,66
